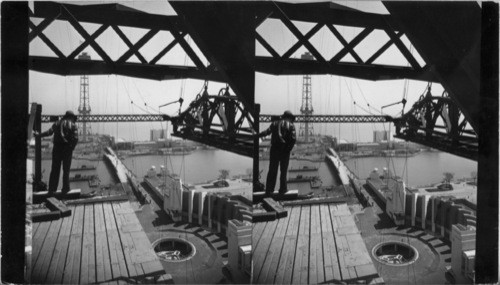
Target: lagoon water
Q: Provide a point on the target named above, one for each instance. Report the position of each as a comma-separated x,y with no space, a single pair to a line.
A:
204,165
422,169
197,167
102,170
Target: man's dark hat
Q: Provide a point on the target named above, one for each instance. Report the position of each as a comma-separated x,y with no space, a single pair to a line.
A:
288,114
70,114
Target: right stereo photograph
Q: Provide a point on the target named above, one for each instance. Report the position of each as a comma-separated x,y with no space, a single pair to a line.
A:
367,143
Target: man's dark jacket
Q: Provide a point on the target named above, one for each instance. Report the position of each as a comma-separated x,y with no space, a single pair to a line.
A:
282,134
65,132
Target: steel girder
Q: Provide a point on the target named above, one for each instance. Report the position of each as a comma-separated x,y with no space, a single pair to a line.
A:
329,15
448,37
374,72
437,122
93,118
232,131
224,31
111,118
66,67
331,118
220,121
228,42
114,16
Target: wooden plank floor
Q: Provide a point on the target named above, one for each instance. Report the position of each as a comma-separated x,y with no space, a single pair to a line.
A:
314,244
98,243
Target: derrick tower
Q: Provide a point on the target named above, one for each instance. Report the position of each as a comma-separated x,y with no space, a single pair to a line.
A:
306,109
84,107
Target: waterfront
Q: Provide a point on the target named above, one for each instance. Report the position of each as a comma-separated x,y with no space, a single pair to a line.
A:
203,165
422,169
105,175
197,167
324,172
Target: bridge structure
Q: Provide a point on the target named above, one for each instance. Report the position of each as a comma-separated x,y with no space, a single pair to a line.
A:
451,133
263,118
228,45
226,33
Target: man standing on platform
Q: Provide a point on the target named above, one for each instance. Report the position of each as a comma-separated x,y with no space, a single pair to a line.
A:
65,134
282,141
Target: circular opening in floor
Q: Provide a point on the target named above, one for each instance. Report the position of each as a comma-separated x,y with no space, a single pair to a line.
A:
174,249
395,253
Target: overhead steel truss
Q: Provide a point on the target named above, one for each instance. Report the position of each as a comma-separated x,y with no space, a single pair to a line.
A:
330,16
92,118
331,118
437,122
262,118
219,121
115,16
218,42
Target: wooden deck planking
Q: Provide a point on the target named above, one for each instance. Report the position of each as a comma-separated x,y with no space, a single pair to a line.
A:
71,273
34,227
55,269
39,236
285,268
273,255
262,248
316,267
358,260
88,263
99,243
135,269
257,231
301,266
341,243
314,244
331,262
352,251
41,265
155,269
118,266
140,256
103,260
144,252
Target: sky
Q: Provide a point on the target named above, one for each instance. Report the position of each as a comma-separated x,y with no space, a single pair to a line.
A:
111,94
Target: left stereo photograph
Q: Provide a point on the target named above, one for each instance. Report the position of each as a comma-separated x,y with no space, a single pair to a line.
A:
139,151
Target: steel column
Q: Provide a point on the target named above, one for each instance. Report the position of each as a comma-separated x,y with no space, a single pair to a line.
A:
15,97
486,260
38,148
256,115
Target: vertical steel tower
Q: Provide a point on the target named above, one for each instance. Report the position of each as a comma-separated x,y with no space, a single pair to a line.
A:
306,109
84,107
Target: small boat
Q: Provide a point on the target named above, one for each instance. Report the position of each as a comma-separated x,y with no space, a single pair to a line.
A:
217,184
94,182
300,178
303,168
316,183
175,151
79,177
83,167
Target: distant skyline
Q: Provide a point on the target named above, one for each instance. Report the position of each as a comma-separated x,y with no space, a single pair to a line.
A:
112,94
